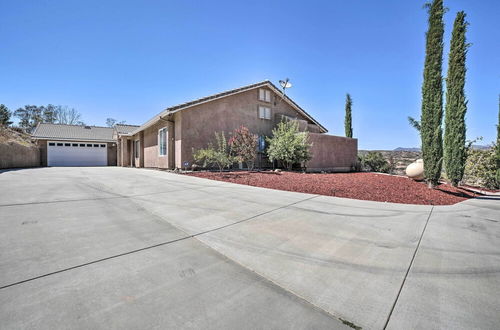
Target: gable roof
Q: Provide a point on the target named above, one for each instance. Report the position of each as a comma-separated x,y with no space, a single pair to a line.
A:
73,132
265,83
125,129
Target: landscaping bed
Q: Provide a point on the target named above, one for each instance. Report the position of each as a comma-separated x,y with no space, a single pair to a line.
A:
363,185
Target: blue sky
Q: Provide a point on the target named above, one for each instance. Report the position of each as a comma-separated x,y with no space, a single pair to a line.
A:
130,59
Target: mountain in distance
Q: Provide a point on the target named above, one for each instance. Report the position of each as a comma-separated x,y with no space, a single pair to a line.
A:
407,149
474,146
480,147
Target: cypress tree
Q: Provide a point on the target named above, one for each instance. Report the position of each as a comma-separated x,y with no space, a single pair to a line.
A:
497,147
432,95
455,153
348,116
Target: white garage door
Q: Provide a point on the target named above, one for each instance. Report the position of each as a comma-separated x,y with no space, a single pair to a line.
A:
60,153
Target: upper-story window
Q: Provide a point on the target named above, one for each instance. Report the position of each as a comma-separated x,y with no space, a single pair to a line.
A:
264,112
265,95
162,141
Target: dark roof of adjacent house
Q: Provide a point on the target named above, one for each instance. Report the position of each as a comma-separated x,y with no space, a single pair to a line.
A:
267,83
123,128
73,132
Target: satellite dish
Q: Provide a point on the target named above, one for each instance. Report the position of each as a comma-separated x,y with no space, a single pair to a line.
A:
285,83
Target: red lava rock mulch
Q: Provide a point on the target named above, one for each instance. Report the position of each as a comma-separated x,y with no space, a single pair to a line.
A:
365,186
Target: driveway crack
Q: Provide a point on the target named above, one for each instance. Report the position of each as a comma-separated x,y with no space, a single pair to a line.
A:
153,246
409,268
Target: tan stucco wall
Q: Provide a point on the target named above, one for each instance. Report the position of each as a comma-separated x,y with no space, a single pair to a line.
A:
42,144
16,155
200,123
112,154
332,153
151,156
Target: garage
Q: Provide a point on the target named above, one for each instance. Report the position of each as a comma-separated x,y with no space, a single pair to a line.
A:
78,153
75,145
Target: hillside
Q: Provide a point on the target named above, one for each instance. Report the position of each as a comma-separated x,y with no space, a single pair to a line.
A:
10,136
17,149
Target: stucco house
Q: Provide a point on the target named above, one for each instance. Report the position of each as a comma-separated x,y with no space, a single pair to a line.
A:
167,140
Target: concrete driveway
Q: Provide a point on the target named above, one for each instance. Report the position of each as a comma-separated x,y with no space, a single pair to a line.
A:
133,248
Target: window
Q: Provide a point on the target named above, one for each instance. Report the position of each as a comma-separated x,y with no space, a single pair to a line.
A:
162,141
75,144
265,95
136,148
262,143
82,144
96,146
103,146
89,145
264,112
67,144
52,144
59,144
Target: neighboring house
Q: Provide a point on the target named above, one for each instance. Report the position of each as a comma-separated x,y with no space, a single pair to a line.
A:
73,145
168,139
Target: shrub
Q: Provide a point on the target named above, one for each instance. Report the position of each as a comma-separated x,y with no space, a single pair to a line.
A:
481,169
374,161
243,146
289,145
219,156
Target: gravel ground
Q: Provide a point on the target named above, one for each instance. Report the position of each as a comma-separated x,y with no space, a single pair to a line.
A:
366,186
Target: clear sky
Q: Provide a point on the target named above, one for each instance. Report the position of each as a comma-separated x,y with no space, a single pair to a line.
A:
130,59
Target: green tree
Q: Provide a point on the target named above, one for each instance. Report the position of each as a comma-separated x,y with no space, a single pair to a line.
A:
374,161
414,123
49,114
5,116
219,156
29,116
497,147
455,153
244,146
348,116
432,95
288,144
481,168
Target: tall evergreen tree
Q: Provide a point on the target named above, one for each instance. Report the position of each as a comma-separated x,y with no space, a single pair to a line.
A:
5,115
455,153
432,95
348,116
497,150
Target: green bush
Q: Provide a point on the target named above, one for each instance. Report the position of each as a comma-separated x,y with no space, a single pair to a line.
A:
244,146
219,156
289,145
374,161
481,169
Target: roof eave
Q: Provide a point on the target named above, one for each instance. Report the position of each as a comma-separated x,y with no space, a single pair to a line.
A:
70,139
267,83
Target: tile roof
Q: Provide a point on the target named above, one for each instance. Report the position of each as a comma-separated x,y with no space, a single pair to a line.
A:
182,106
123,128
73,132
